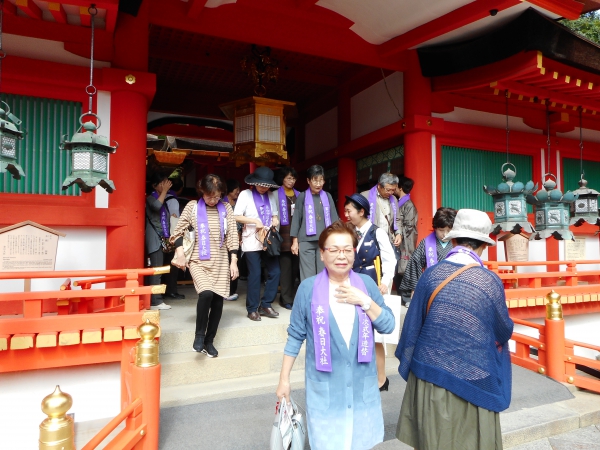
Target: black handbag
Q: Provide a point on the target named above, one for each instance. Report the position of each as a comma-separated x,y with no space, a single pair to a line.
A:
272,242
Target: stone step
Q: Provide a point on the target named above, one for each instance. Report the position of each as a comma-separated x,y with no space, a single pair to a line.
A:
238,362
172,396
270,331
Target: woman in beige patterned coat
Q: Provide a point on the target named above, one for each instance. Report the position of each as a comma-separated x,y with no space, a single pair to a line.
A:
215,234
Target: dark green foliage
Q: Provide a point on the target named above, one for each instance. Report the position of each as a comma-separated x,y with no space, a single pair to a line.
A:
588,26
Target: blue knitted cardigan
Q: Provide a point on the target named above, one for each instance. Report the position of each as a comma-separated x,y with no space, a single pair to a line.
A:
462,344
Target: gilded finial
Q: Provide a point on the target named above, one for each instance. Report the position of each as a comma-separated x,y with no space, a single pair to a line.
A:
553,307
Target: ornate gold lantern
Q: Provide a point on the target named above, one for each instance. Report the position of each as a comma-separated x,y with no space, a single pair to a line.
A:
258,130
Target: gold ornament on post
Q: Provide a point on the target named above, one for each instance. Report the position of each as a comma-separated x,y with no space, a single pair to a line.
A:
258,130
261,68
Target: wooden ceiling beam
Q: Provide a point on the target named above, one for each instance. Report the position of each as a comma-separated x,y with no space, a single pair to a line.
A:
58,12
200,58
112,11
195,8
85,17
458,18
569,9
30,8
10,8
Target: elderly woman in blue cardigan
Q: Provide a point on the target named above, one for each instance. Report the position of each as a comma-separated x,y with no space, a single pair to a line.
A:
453,350
336,312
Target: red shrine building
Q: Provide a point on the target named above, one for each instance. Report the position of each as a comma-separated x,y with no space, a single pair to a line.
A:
442,92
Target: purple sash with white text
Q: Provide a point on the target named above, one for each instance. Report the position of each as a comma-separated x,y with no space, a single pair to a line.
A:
466,251
203,230
283,206
431,249
164,214
309,212
320,323
263,207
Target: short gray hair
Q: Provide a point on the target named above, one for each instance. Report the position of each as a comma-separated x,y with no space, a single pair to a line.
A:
388,178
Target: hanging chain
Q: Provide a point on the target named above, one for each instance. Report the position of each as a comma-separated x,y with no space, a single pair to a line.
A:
91,89
507,129
548,135
581,141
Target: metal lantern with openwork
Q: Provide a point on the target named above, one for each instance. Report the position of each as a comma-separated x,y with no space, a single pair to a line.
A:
510,208
89,157
258,130
585,208
551,210
9,149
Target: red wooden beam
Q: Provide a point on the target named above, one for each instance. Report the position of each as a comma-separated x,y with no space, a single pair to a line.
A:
195,8
460,17
569,9
58,12
29,8
85,17
10,8
111,17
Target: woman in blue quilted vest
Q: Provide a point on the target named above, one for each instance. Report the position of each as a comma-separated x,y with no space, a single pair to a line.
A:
453,350
374,249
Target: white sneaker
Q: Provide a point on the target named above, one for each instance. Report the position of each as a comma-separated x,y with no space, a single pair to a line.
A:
161,306
231,298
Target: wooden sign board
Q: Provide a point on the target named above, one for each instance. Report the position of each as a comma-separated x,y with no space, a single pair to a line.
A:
516,246
575,250
28,247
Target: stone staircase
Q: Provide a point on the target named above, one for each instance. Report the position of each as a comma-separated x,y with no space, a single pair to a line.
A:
250,354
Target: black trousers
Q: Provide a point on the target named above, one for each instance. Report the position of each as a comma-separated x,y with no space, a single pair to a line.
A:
290,270
208,315
170,279
156,260
233,284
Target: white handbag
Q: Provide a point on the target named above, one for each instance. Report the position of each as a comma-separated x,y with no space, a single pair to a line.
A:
289,427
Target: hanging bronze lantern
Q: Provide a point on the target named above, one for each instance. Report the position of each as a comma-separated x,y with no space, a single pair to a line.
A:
9,148
551,209
89,158
510,208
585,208
89,151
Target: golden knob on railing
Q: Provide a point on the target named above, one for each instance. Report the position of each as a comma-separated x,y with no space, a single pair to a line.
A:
553,307
146,352
57,432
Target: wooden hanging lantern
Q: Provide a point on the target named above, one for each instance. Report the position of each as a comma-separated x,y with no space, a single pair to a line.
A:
258,130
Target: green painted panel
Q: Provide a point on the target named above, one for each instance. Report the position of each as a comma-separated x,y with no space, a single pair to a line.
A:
572,174
45,165
465,171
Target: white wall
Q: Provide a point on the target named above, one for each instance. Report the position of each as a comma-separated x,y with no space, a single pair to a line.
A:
83,248
103,111
95,390
321,133
372,108
537,252
579,327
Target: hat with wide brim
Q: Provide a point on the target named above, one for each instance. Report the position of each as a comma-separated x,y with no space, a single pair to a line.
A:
262,176
472,224
360,200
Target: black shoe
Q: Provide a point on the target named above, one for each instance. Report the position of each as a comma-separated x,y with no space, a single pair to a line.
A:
385,385
286,305
210,350
199,343
175,296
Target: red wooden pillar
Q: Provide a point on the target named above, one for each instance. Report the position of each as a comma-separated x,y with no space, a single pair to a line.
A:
417,145
346,182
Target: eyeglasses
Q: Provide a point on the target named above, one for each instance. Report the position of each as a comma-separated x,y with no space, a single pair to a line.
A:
209,199
317,182
336,251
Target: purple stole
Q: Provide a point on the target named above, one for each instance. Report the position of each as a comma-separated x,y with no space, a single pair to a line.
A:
373,206
319,307
225,199
203,230
164,215
431,249
467,251
283,209
403,200
309,212
263,207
